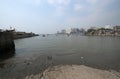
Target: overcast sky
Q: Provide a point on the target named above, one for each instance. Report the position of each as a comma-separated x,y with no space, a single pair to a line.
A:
48,16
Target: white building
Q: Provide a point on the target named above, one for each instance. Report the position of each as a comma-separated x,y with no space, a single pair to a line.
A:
108,27
68,31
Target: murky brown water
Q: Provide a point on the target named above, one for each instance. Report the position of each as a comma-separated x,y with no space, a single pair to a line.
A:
35,54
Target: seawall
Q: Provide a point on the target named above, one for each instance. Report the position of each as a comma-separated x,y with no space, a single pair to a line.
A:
19,35
7,46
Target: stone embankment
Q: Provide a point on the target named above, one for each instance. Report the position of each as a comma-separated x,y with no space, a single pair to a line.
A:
19,35
7,45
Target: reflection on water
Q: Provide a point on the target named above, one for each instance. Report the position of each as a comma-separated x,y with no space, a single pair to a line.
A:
6,55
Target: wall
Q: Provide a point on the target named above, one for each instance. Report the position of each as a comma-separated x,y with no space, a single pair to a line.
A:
7,46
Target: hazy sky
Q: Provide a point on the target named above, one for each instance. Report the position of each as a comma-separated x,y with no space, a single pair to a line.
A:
48,16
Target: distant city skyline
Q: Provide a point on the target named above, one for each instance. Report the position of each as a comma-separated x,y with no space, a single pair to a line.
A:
49,16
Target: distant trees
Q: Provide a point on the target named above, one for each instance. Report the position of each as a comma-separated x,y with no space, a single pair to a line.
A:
90,31
99,31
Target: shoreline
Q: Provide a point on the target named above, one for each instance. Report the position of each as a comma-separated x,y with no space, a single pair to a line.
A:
20,35
34,68
75,72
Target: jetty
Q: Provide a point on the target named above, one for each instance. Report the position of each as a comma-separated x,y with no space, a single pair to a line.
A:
7,46
19,35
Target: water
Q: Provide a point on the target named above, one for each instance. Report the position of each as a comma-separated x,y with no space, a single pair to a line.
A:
93,51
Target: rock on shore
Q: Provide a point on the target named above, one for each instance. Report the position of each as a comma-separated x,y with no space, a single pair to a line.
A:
75,72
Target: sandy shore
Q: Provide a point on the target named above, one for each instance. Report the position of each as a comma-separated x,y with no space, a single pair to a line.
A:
75,72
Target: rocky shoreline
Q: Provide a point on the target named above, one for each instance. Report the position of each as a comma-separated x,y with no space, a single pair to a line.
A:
45,67
75,72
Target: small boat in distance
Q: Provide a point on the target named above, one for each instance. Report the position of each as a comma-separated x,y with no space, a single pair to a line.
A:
43,35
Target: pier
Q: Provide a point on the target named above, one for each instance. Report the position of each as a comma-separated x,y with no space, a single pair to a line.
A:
7,46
